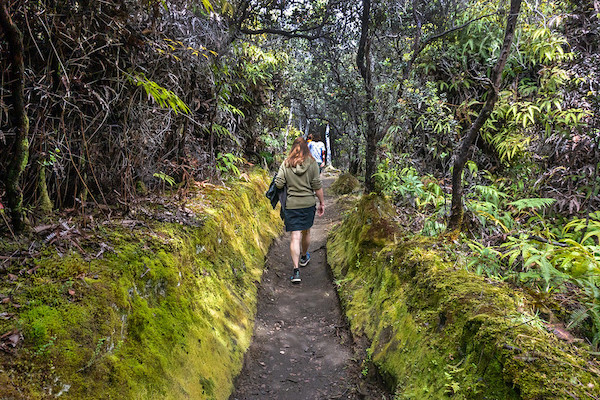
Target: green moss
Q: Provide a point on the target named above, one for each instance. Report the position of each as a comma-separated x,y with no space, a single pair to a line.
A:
167,315
345,184
436,330
140,188
46,205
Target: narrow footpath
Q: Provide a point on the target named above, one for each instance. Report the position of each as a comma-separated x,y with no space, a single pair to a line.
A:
302,348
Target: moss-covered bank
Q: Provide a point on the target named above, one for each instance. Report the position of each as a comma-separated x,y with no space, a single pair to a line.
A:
166,315
438,331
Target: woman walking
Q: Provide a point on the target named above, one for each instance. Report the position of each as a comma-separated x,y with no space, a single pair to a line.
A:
300,173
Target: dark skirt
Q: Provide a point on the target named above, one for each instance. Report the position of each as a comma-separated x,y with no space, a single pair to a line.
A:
299,219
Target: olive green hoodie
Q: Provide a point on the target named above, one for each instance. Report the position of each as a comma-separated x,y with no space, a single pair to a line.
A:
302,180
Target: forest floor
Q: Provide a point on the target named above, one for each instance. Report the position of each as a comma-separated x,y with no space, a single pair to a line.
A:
302,347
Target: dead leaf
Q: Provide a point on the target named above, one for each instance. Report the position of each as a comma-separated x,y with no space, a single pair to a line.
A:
13,339
42,228
561,333
32,270
10,340
5,315
245,177
12,277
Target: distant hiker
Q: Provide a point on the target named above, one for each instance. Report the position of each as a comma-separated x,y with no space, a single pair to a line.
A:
300,173
317,150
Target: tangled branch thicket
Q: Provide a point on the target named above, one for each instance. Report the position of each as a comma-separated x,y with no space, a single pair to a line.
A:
95,132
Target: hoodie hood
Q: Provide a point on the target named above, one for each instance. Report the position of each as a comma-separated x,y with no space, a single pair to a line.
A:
300,169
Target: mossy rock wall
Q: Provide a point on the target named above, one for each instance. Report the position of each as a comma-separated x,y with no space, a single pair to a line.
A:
167,315
438,331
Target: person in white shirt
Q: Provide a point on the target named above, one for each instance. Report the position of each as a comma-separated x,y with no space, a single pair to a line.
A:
317,150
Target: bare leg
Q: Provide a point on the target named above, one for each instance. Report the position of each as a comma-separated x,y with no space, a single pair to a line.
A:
305,241
295,247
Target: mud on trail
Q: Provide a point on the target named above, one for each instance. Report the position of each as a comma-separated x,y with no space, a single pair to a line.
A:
302,348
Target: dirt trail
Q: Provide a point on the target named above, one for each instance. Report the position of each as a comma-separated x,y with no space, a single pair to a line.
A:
302,348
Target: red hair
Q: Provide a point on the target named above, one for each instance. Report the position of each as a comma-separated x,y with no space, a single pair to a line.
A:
298,154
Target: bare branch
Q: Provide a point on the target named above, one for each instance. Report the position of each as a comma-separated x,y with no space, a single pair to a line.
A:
454,28
296,33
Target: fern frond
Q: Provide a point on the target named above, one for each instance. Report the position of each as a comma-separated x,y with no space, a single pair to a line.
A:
493,219
490,193
533,203
577,317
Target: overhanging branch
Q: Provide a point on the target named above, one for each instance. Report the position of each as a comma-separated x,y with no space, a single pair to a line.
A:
295,33
453,29
420,45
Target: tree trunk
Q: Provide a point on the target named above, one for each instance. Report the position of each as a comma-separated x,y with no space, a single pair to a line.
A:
328,145
307,128
461,155
287,128
370,155
354,160
363,61
20,147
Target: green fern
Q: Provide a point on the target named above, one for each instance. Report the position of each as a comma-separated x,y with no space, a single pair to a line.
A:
590,228
533,203
491,194
577,317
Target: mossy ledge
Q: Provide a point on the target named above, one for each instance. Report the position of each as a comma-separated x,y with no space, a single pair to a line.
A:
436,330
167,315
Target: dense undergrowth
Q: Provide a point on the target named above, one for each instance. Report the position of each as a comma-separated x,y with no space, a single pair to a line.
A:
514,238
165,313
438,330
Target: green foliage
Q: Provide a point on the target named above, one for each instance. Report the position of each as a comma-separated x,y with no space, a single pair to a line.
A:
536,203
243,81
165,178
222,131
170,47
537,76
267,157
434,124
547,261
507,127
533,254
54,156
226,163
585,229
530,250
543,46
207,5
164,97
536,264
485,260
407,187
44,349
535,104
